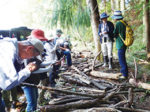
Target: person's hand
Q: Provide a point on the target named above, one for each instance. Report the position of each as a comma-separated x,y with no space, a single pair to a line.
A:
62,48
100,34
105,32
58,63
31,66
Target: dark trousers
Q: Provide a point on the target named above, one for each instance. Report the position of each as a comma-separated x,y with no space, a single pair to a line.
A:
2,104
54,75
122,61
68,57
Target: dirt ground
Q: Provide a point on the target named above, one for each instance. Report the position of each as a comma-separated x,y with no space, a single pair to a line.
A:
141,99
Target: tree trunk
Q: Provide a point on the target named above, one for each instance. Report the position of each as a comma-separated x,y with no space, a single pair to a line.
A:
147,28
117,2
122,5
94,22
112,5
105,8
144,32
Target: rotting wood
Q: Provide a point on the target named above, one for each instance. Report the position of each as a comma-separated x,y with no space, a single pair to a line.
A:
82,78
98,109
73,81
121,103
75,105
64,91
105,75
89,70
130,97
69,100
92,81
91,90
139,84
124,109
93,65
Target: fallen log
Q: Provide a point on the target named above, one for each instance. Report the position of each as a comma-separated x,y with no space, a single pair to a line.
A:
119,104
91,90
90,69
139,84
73,81
82,78
64,91
91,80
69,100
131,110
130,97
93,65
98,85
75,105
101,109
105,75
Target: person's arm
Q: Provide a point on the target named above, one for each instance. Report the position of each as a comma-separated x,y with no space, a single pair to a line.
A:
50,53
62,48
9,77
50,48
116,30
99,30
111,29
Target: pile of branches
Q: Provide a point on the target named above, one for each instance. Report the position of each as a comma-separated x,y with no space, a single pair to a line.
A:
82,90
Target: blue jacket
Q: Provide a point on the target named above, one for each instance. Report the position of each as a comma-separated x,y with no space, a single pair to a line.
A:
110,32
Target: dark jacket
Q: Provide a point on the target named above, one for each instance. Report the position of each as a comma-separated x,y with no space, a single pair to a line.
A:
34,78
120,28
110,32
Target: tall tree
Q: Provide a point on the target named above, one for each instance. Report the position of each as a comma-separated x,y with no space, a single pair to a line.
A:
147,27
117,2
94,22
112,5
105,8
122,6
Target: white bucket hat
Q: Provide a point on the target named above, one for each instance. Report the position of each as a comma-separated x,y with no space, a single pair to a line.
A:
117,15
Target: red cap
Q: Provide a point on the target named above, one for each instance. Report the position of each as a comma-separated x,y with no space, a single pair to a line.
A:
39,34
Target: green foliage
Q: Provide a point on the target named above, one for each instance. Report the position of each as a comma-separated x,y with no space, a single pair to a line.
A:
70,13
137,50
82,18
142,99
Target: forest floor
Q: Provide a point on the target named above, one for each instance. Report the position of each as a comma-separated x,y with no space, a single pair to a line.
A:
84,61
141,100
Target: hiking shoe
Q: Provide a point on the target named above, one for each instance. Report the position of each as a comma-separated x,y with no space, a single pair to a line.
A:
122,78
104,65
63,69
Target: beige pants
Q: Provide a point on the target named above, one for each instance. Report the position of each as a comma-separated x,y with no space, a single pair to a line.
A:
107,48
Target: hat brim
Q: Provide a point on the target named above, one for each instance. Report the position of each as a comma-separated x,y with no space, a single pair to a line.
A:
49,39
116,17
38,37
59,33
104,17
42,38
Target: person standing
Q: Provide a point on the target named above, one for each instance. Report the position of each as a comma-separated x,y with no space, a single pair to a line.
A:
106,39
120,30
11,73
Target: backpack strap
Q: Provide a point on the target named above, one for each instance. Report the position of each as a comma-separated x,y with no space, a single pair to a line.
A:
123,22
119,34
121,38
